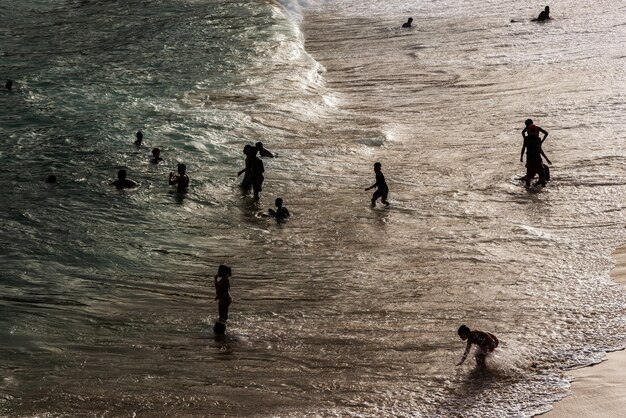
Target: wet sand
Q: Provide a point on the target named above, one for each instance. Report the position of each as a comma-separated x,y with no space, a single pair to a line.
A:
599,390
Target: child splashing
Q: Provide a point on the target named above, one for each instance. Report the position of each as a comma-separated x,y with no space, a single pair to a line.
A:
485,341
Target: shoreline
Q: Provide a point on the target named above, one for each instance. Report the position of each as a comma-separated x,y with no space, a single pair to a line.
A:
598,390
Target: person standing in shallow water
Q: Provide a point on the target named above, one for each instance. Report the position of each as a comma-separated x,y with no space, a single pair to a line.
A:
534,152
485,341
256,173
381,186
246,183
222,292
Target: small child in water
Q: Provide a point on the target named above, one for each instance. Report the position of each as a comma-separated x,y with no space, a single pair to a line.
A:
222,291
381,186
281,212
485,341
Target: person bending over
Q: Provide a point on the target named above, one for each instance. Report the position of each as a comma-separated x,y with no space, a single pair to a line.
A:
485,341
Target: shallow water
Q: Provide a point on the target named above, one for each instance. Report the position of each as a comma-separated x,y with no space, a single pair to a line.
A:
107,299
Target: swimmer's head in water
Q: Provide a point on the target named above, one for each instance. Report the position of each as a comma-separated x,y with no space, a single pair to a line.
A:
224,271
547,9
182,168
259,145
528,122
139,135
246,149
464,332
8,85
121,174
377,166
278,202
156,152
410,20
51,179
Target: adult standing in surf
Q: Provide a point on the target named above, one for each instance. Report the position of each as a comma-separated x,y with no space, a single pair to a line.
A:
534,152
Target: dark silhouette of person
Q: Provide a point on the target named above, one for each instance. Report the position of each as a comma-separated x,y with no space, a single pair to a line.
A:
532,129
246,183
544,15
407,24
139,140
8,85
51,179
180,179
156,156
485,341
381,186
256,173
281,212
122,182
534,152
222,292
263,152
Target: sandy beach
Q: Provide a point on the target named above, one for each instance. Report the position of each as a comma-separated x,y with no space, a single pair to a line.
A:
599,390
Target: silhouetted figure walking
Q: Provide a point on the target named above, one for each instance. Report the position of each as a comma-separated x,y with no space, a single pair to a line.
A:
534,152
222,293
381,186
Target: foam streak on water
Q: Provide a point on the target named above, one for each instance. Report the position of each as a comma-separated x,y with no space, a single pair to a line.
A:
106,297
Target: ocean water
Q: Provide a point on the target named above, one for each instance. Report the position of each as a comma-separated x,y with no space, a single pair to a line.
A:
106,297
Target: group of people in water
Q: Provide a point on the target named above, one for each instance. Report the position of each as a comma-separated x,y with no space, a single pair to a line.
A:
543,17
253,181
180,179
253,171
